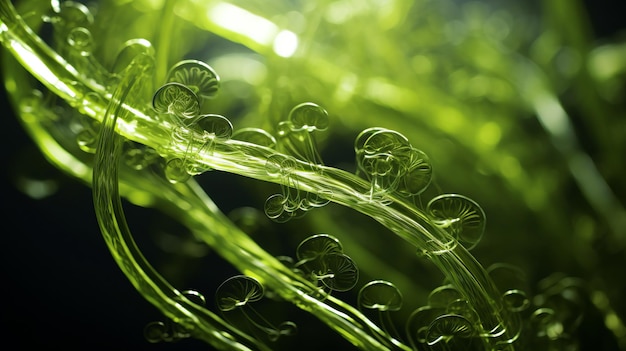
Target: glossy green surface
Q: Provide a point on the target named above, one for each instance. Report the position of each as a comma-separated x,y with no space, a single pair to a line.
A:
382,162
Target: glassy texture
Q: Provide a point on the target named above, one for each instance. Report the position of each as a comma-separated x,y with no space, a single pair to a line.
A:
291,175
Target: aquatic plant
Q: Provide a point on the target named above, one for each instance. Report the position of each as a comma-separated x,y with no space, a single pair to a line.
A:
146,111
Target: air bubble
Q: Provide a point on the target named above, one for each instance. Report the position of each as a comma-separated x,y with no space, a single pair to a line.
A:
176,171
80,40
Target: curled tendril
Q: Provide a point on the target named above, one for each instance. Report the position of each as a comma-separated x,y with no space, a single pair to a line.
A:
297,134
382,156
237,293
511,282
177,100
480,289
288,204
69,15
338,272
169,331
200,135
443,296
418,174
317,246
130,49
418,324
308,116
381,296
461,216
449,326
321,258
197,76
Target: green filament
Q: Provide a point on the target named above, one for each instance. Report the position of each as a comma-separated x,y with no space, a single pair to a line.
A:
105,123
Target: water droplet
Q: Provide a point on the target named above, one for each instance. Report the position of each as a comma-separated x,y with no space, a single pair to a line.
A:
176,171
80,40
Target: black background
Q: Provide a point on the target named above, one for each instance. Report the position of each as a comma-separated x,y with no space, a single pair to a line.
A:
60,286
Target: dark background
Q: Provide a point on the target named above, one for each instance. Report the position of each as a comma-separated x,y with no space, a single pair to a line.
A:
60,286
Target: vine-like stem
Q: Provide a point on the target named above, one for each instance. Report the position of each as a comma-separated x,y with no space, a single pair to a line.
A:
109,212
136,123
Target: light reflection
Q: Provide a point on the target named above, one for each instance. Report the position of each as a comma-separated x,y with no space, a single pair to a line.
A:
286,43
245,23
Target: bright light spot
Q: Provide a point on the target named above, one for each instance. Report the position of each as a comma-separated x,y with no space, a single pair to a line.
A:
242,22
42,71
286,43
607,61
489,134
553,117
240,67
